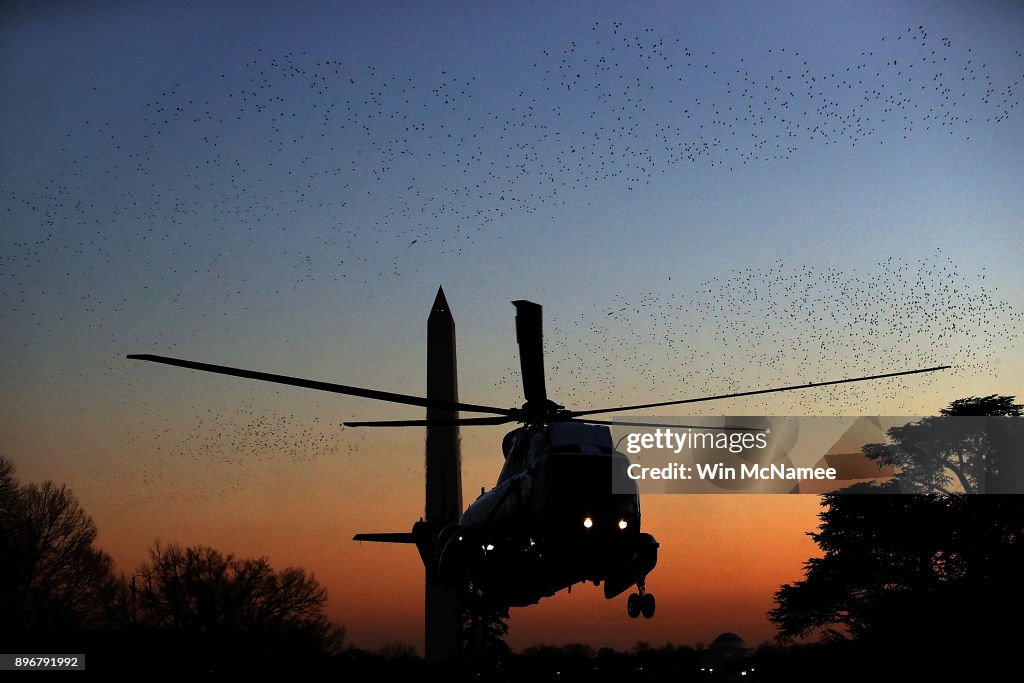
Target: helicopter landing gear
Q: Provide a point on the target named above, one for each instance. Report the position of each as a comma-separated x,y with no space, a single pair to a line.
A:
647,605
633,605
640,603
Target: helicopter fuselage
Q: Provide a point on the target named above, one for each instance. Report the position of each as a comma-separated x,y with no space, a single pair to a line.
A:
553,519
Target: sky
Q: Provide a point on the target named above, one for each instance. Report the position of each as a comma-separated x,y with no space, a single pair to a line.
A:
704,198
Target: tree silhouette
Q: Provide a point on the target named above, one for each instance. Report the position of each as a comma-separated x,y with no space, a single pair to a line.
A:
970,446
484,626
8,487
237,608
903,573
52,578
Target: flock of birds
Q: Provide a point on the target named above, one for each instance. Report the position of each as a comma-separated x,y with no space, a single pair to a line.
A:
224,447
356,165
348,170
782,325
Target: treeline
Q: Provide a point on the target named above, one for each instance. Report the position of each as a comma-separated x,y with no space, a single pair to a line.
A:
184,610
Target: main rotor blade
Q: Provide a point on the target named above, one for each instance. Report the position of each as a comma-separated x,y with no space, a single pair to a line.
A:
530,336
459,421
630,423
580,413
325,386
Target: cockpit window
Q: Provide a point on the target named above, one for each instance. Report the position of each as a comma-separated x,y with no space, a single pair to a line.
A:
515,462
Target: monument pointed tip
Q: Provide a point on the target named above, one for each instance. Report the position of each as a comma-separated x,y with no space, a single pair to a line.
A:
440,302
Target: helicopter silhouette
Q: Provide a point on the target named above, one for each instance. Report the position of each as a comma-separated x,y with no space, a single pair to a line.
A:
563,510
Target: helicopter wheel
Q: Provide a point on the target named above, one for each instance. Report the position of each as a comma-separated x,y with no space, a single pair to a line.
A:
633,605
647,605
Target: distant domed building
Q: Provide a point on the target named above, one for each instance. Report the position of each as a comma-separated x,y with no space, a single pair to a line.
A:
726,658
729,646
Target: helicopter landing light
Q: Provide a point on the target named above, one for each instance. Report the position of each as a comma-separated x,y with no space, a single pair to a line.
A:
587,522
623,524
